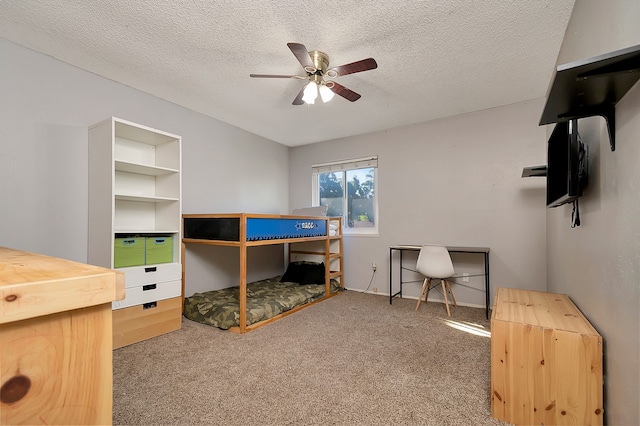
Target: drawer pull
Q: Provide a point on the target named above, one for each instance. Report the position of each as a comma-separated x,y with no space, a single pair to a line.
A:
151,269
149,287
149,305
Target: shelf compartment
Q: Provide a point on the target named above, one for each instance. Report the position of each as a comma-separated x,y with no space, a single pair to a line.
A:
142,145
163,187
134,213
130,151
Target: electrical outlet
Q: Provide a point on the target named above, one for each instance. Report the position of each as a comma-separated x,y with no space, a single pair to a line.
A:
375,289
374,267
465,277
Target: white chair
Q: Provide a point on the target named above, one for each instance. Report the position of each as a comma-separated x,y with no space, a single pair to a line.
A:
434,262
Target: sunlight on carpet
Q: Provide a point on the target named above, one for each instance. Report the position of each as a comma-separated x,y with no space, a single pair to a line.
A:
468,327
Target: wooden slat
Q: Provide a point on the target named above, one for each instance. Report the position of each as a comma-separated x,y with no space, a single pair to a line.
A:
537,379
578,379
518,406
279,316
499,352
184,257
549,380
211,242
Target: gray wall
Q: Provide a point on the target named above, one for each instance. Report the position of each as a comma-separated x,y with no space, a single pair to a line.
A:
454,181
598,264
46,108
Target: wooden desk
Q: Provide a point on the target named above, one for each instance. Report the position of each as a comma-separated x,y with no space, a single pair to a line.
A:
55,340
546,361
452,249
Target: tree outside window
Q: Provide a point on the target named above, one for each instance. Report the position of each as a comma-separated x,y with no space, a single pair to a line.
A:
356,206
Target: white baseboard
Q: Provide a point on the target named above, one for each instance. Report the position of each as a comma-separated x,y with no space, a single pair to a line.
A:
469,305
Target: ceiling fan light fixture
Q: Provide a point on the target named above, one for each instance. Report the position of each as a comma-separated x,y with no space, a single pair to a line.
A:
325,93
316,67
310,93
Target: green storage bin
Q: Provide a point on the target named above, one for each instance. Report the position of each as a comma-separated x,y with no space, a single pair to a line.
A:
128,252
158,250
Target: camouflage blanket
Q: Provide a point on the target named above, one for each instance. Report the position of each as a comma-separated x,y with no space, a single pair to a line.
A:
265,299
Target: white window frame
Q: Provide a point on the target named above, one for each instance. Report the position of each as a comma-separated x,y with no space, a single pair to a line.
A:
343,166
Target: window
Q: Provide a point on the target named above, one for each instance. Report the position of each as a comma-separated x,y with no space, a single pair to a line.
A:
357,205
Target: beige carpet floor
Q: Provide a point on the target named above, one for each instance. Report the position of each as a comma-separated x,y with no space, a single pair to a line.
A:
351,360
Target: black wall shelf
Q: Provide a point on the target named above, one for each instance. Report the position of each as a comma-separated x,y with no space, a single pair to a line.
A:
534,171
592,87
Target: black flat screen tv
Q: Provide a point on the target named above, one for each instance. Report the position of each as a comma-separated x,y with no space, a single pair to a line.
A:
566,164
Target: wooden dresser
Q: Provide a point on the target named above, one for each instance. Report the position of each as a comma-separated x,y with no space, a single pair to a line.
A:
546,361
55,340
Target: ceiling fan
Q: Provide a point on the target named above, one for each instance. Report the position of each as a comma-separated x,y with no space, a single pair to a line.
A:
316,65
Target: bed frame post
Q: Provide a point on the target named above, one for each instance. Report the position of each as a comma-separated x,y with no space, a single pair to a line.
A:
243,273
183,250
327,260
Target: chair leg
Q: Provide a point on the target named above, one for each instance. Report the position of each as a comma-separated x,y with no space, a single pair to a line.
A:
451,293
426,296
421,293
444,292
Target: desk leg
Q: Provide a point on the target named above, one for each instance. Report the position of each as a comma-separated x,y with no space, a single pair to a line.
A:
399,292
391,276
400,266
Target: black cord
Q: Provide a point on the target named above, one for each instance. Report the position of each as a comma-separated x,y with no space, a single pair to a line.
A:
370,281
575,214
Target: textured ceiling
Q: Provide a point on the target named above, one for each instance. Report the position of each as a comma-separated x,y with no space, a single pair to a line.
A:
436,58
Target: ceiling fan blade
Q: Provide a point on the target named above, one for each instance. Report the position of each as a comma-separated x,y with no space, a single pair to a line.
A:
304,77
298,100
340,90
301,53
358,66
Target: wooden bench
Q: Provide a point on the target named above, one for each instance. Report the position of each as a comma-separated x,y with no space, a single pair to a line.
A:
546,361
55,339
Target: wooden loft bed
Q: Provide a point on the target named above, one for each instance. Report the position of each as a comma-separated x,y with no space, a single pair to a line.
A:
316,236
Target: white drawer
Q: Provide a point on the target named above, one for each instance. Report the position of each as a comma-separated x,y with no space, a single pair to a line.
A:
149,293
149,274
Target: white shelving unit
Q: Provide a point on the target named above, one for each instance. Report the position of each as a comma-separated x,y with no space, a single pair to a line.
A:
135,189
